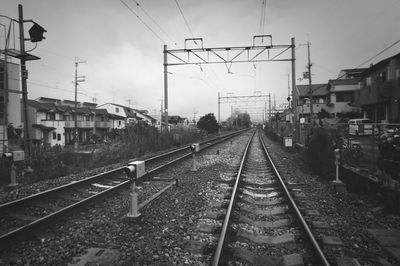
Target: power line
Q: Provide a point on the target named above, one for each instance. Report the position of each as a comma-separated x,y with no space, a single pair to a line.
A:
381,52
183,16
344,74
154,21
141,20
262,17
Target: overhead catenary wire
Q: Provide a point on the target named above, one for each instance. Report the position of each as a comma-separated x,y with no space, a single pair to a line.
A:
363,63
262,17
155,22
141,20
184,18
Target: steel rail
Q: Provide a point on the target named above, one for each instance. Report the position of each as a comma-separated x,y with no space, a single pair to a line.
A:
46,193
42,194
20,232
310,235
221,240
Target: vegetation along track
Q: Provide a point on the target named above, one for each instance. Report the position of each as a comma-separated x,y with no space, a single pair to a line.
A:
21,217
263,225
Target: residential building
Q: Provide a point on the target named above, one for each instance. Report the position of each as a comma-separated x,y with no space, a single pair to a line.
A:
342,91
130,115
319,99
379,94
50,124
10,104
52,121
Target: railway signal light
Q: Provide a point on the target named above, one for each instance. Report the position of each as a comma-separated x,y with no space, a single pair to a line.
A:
195,147
36,33
134,170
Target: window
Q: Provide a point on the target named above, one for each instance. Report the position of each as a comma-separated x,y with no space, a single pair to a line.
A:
382,76
54,135
119,122
368,81
66,117
116,109
397,73
58,136
50,116
344,96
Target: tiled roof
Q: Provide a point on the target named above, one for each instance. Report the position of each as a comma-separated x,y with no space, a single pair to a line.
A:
113,116
372,68
102,111
37,105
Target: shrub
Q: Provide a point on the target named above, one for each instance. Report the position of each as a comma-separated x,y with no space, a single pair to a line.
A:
319,152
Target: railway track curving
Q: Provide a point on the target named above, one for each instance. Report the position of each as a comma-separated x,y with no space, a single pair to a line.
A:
262,224
21,217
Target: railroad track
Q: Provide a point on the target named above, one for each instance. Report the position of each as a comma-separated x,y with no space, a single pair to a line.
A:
20,218
262,225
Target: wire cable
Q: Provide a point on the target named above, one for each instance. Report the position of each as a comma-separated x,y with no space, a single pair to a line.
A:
366,61
155,22
381,52
183,16
141,20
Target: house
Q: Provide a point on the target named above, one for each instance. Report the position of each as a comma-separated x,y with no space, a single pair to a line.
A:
10,104
130,115
319,99
49,122
379,94
342,91
52,121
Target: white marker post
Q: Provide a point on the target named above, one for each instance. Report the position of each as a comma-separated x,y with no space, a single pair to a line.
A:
337,184
134,170
194,148
133,204
13,175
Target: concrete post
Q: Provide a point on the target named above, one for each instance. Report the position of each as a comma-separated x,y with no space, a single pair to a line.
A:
133,204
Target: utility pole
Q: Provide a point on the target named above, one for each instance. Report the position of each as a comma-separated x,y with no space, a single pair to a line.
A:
219,110
288,89
194,114
269,105
129,102
294,105
166,87
24,77
77,80
161,113
309,83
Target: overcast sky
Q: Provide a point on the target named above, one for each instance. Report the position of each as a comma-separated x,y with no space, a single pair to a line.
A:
124,59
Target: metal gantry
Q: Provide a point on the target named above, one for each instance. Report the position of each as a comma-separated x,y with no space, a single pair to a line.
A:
200,55
253,99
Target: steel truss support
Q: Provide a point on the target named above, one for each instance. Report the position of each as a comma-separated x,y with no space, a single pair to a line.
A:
200,55
228,55
254,99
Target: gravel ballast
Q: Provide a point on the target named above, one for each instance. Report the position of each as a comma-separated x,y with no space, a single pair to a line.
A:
158,236
161,234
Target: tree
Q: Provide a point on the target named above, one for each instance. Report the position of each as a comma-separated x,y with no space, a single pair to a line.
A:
323,114
208,123
243,120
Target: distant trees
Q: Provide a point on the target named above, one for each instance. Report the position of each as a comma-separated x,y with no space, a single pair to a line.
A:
240,120
208,123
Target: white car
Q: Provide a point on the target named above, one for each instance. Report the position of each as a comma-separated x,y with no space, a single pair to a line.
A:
361,126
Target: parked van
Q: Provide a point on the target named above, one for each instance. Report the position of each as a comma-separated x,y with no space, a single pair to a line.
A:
361,126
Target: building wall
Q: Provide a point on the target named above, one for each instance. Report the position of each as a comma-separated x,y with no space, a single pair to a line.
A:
13,105
379,97
14,99
342,106
33,118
